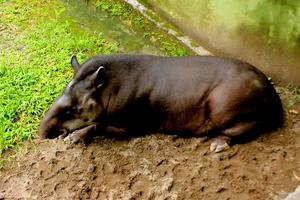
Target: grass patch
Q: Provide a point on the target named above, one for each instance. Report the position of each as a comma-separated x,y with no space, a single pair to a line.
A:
34,63
295,97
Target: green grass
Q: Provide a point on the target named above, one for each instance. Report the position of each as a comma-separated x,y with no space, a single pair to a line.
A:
34,63
295,97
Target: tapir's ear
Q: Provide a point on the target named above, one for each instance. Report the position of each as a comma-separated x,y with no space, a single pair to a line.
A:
75,64
98,77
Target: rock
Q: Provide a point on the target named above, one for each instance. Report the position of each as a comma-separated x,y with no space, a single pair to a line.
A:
294,195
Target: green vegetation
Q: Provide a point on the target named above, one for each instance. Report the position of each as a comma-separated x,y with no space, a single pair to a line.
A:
295,97
34,66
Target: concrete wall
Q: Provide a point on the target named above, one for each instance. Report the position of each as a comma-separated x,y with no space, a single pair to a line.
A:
225,30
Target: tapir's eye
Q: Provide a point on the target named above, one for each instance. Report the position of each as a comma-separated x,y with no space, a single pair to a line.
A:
71,111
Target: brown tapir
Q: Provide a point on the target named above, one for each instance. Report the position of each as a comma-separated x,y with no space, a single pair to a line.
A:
198,95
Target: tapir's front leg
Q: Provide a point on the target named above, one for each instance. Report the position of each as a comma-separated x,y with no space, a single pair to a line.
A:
81,135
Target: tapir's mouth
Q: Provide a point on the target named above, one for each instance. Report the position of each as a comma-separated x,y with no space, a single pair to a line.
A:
63,133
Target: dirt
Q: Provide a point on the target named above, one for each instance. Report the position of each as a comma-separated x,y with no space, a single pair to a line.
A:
158,166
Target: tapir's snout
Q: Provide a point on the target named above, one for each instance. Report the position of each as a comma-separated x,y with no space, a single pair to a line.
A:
48,128
51,125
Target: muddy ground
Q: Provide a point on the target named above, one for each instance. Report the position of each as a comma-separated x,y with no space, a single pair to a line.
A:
158,166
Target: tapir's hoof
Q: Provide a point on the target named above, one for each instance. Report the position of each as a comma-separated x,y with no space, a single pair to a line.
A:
219,144
68,140
72,139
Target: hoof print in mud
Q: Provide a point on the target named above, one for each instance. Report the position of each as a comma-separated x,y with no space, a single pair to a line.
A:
144,94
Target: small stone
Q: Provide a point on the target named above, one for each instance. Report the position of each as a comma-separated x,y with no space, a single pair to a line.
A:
221,189
295,195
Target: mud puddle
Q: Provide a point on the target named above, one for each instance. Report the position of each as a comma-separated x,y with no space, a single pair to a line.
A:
158,166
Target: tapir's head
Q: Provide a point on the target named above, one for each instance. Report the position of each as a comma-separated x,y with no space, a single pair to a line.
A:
80,103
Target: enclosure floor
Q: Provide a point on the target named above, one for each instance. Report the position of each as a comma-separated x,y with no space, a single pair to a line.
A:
158,166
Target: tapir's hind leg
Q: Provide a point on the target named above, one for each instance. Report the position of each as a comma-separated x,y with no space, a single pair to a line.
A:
222,141
234,109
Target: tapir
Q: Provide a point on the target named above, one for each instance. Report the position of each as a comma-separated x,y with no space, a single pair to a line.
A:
195,95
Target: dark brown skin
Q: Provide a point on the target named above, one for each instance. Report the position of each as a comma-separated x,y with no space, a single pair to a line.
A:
129,94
